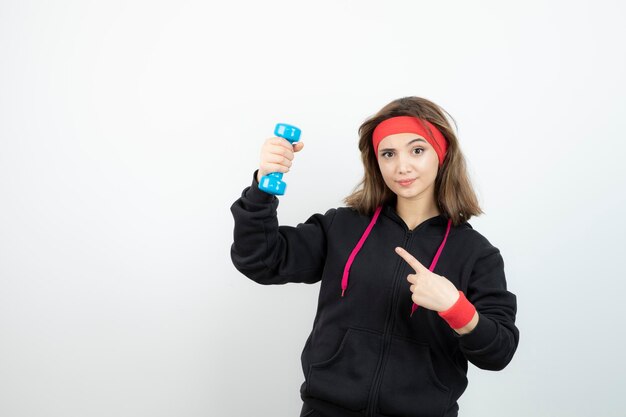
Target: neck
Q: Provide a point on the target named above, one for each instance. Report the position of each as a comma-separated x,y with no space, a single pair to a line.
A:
416,211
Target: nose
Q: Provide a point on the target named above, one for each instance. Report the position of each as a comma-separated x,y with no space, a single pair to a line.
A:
404,164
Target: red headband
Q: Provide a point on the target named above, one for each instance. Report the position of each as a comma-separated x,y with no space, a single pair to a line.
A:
410,124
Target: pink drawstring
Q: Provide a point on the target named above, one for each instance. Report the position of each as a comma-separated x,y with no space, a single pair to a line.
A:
357,248
435,259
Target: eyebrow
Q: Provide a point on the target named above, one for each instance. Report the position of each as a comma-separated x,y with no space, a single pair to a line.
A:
408,144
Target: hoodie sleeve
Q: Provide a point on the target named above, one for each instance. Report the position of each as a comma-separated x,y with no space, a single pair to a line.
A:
271,254
492,343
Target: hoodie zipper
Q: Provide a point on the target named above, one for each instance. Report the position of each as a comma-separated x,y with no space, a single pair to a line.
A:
390,321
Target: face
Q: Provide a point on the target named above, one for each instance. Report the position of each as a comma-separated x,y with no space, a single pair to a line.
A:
408,156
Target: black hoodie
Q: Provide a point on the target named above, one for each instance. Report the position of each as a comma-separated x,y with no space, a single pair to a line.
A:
366,355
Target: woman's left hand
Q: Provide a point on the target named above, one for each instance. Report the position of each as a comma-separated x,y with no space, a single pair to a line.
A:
430,290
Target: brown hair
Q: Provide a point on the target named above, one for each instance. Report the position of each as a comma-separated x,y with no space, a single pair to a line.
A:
454,194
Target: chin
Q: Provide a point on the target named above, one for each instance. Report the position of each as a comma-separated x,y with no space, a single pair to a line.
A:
406,193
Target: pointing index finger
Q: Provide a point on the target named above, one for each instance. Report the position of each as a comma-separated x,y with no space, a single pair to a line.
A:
410,259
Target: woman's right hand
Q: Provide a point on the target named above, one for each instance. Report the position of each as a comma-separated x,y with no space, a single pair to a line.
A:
277,155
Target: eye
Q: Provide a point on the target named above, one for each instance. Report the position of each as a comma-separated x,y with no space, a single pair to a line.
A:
421,150
385,153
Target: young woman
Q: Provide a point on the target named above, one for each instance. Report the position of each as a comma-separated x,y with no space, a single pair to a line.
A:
409,292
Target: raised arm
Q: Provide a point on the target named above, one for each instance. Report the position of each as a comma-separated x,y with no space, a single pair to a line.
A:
271,254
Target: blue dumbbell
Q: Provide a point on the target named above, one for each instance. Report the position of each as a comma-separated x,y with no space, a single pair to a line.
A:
273,183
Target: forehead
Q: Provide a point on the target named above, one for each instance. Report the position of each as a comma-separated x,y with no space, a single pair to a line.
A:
401,140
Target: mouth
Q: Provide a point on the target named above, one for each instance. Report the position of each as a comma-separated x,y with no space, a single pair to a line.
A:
406,183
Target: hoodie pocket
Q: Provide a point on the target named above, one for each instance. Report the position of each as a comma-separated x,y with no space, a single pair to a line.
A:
346,377
410,387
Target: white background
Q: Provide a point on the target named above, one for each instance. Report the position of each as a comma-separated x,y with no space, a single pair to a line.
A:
128,128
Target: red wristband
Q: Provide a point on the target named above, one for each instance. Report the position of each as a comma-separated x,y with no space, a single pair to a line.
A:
461,312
